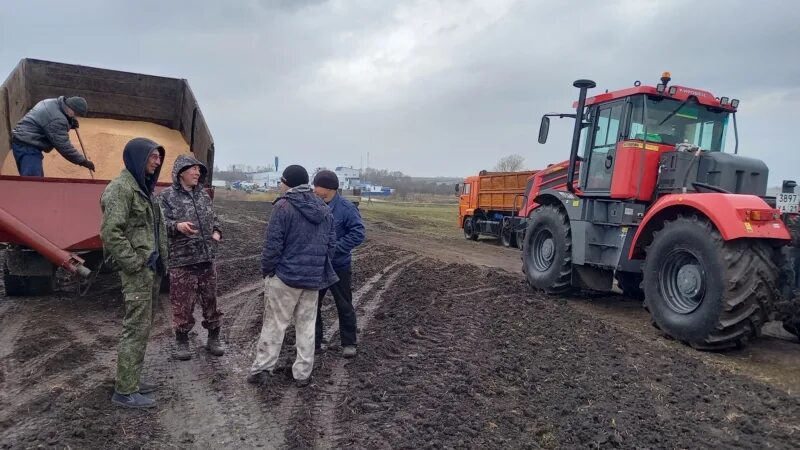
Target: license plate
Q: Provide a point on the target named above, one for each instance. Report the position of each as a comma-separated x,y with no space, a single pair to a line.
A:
788,203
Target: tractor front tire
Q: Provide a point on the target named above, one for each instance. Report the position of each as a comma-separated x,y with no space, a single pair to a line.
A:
704,291
631,284
547,250
508,236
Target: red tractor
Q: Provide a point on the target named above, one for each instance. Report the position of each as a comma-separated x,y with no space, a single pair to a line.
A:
650,199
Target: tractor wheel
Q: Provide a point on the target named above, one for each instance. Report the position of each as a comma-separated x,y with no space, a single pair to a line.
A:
547,254
706,292
469,229
508,236
26,286
631,284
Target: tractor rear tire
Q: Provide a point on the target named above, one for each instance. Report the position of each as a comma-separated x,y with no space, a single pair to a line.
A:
706,292
547,254
631,284
469,229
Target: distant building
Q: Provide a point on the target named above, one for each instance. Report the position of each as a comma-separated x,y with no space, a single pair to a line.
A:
269,180
348,177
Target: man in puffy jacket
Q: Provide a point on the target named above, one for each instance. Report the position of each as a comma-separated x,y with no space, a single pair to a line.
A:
296,264
45,127
193,232
349,234
135,239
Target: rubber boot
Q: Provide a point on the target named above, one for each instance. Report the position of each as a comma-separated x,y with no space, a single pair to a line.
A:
182,352
213,344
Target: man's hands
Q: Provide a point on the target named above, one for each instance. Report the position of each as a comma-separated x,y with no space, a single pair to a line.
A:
88,164
187,228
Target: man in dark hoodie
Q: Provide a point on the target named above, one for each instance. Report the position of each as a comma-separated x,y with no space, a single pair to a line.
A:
46,126
296,264
135,238
193,232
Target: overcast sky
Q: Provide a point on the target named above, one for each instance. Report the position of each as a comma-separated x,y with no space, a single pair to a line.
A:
426,87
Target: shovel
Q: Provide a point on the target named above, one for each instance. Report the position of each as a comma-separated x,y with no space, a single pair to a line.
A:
80,141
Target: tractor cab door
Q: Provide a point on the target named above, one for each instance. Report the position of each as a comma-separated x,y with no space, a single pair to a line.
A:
600,151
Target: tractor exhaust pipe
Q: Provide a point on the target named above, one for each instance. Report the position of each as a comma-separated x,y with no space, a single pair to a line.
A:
583,85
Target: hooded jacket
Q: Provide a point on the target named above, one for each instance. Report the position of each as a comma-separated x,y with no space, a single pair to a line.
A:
300,241
46,126
132,231
349,231
180,205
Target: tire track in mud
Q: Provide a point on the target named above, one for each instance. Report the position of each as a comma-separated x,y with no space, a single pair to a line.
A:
214,390
330,398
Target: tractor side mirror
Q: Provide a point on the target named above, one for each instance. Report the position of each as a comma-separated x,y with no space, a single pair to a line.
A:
458,189
544,129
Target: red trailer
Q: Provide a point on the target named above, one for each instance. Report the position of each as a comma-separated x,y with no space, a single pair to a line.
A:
51,223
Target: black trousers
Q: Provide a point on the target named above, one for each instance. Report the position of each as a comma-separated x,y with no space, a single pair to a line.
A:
343,295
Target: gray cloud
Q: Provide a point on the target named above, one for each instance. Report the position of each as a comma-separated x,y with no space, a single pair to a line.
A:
429,88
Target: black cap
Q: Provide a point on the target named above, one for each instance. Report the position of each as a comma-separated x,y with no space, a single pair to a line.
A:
78,104
326,179
294,176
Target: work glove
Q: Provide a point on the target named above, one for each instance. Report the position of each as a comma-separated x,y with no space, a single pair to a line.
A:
73,123
88,164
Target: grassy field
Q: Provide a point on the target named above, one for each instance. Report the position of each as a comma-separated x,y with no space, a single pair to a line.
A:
437,220
434,220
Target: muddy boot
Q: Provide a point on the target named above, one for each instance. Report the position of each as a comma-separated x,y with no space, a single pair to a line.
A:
259,378
349,351
182,352
213,345
134,400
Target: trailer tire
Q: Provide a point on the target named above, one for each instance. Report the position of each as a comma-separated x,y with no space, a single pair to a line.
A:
631,284
469,229
547,255
26,286
704,291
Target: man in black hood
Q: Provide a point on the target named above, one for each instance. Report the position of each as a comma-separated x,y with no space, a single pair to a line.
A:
135,238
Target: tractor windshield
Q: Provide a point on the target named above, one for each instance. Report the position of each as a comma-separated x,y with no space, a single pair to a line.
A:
670,121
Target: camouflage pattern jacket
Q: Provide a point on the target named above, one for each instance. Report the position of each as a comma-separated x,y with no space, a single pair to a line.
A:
130,217
180,205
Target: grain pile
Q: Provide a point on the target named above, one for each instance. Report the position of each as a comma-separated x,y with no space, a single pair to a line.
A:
104,140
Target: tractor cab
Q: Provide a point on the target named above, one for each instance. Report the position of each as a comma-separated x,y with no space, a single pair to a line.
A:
644,141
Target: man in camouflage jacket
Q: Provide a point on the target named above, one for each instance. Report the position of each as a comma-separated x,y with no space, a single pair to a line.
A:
135,238
193,236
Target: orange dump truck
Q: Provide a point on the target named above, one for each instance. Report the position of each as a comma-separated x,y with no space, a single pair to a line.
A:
490,202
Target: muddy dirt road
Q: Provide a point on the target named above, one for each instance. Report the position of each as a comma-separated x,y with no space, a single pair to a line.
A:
455,352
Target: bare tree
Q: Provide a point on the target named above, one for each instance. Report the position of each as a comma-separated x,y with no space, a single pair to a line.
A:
510,163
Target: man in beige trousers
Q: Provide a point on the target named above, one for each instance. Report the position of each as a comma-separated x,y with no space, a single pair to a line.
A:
296,264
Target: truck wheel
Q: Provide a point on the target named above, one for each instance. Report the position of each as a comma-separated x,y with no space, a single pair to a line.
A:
547,254
469,229
26,286
631,284
508,236
706,292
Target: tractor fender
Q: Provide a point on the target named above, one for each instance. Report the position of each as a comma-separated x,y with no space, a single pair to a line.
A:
727,212
567,200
